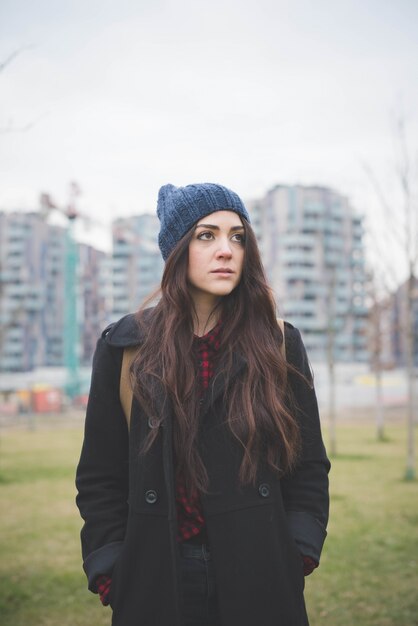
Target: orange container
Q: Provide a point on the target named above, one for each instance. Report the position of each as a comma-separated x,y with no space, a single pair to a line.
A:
46,400
24,398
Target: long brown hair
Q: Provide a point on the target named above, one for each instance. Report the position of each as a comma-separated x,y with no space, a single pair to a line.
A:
259,411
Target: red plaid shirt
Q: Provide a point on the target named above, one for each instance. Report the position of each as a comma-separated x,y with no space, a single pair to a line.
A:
190,519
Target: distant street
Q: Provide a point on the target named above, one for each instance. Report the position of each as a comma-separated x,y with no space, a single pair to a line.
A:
356,386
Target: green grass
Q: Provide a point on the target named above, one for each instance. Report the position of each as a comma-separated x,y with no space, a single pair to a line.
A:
369,571
41,581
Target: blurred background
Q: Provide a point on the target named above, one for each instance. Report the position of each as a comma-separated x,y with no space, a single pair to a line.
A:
309,112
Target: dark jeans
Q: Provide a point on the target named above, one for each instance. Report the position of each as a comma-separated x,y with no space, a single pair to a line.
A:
198,582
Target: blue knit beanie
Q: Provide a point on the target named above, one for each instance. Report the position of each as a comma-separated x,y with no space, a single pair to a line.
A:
179,208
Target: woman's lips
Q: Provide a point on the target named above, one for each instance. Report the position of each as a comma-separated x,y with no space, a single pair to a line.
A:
222,270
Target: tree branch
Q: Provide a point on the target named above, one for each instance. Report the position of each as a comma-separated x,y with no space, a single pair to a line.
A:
13,55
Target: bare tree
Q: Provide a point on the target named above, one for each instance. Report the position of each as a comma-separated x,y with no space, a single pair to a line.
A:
10,127
402,228
10,58
330,352
379,310
382,279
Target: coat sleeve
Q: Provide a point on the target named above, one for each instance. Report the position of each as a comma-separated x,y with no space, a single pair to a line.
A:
102,472
305,489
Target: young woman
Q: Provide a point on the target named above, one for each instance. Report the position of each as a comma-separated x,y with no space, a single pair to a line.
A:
209,505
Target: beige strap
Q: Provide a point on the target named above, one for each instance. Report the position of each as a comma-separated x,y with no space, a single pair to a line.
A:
283,346
125,385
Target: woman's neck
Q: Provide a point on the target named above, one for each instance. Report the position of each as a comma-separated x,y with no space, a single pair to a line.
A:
207,315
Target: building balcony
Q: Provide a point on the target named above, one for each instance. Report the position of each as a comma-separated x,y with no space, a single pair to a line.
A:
119,264
8,276
312,324
313,224
13,363
359,342
12,306
360,324
292,255
33,305
332,243
15,247
300,306
313,343
314,208
297,240
122,249
12,346
121,306
338,210
15,333
361,356
150,261
332,228
120,291
342,308
343,341
301,273
119,279
357,244
17,290
360,310
313,290
357,262
333,258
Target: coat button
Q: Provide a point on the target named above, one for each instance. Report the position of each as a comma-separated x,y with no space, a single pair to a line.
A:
151,496
264,490
153,422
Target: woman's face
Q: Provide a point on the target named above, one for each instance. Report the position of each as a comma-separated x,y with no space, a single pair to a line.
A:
216,255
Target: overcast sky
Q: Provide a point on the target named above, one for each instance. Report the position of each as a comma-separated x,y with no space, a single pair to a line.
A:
126,96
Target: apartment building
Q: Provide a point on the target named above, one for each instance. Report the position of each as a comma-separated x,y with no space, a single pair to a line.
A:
137,264
311,241
95,297
34,297
401,337
31,291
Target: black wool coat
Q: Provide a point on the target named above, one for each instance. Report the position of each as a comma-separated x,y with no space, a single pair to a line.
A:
257,533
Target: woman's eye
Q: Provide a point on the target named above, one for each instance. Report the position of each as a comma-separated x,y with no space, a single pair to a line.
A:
206,236
238,238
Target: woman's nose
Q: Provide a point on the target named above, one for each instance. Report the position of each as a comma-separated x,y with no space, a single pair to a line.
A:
224,249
